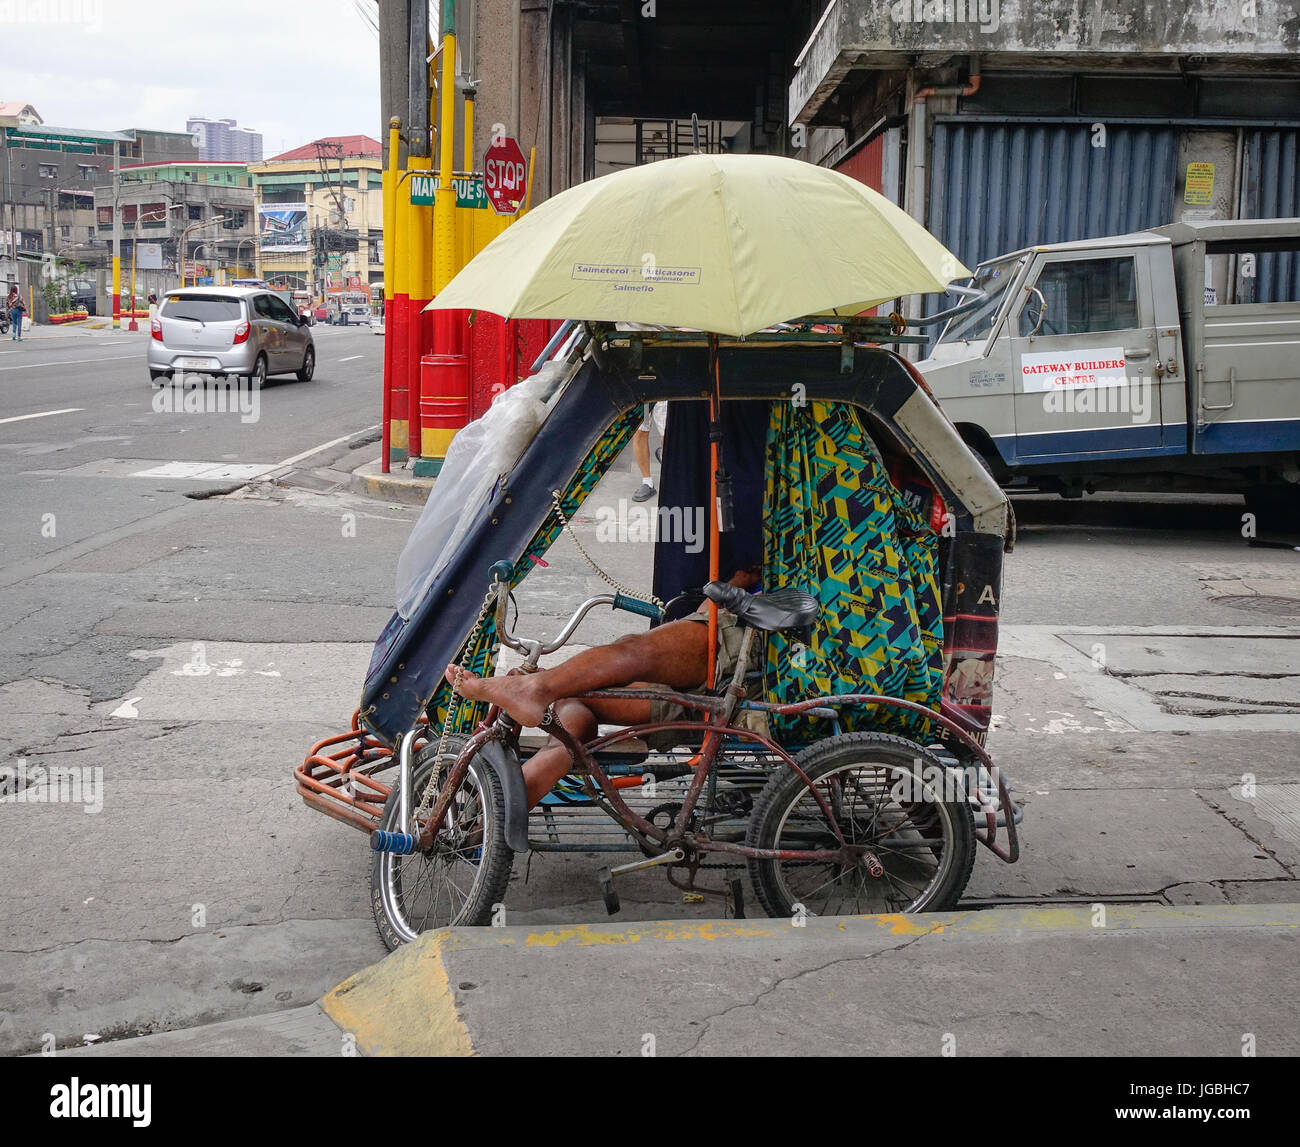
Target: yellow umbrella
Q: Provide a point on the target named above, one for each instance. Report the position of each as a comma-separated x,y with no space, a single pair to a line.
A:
722,243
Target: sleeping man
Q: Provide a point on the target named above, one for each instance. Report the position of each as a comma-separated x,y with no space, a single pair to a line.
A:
674,655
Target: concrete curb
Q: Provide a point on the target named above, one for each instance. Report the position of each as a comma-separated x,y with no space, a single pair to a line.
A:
396,486
892,985
291,1033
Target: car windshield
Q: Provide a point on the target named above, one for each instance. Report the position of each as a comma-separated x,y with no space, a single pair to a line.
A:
201,308
993,279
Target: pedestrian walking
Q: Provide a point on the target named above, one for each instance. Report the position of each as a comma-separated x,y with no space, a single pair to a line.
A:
17,308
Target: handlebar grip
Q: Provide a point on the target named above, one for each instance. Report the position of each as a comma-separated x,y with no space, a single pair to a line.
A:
502,570
636,605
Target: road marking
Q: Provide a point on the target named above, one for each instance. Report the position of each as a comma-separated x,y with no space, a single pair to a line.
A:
206,471
323,446
71,362
43,414
351,357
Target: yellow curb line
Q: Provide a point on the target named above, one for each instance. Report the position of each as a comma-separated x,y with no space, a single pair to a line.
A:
402,1005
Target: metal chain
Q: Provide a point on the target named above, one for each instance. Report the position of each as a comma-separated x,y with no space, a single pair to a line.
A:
600,573
435,778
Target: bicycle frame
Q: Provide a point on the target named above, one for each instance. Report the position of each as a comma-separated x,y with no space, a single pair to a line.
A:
721,710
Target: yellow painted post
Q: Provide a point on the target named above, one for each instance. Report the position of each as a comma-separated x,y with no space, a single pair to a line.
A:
394,425
435,440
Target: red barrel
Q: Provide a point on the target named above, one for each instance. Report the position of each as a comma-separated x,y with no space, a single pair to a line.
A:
444,398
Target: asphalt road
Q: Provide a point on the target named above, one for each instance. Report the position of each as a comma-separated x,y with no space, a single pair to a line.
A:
193,649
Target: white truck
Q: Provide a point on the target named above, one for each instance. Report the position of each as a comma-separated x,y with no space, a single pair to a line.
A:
1164,360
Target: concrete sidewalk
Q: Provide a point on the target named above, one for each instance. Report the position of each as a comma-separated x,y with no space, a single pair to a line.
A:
88,328
1129,981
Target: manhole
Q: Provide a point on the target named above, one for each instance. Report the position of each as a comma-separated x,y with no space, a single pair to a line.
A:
1261,603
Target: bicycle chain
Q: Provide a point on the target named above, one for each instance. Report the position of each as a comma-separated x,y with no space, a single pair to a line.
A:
600,573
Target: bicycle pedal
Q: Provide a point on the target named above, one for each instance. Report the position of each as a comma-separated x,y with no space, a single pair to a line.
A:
607,893
401,843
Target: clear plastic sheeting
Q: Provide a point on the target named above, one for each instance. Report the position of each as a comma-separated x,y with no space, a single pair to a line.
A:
479,456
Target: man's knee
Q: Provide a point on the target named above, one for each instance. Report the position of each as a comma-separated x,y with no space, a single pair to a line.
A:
577,717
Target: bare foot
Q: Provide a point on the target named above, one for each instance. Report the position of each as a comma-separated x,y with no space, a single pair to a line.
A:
520,696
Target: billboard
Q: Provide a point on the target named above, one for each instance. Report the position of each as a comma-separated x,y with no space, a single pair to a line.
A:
282,227
149,256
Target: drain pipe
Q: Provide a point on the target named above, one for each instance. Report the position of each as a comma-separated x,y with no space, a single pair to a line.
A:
916,132
917,129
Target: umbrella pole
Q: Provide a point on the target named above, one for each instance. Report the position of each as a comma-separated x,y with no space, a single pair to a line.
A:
715,429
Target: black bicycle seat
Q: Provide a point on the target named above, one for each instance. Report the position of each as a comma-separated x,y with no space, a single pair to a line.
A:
771,612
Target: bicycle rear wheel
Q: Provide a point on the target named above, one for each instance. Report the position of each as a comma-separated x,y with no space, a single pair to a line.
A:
463,876
884,792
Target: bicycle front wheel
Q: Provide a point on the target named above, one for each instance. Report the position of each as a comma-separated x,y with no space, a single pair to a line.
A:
883,792
463,877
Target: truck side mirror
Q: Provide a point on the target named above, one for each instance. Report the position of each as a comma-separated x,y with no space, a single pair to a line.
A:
1042,310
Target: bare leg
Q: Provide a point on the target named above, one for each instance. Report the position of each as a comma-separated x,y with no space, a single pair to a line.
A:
641,451
581,719
675,654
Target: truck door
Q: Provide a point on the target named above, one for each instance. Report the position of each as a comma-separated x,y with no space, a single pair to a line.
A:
1248,399
1084,358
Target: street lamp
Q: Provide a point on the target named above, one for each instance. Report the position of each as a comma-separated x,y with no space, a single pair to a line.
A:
238,257
147,217
186,234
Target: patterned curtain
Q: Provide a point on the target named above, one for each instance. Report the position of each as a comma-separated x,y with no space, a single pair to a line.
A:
836,527
483,655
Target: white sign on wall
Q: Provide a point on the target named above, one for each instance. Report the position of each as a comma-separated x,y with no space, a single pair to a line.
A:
149,257
1072,369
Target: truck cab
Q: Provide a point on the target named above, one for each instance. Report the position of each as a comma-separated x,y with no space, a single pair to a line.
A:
1142,361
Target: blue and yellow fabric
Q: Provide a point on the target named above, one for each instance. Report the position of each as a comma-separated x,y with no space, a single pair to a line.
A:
835,526
483,655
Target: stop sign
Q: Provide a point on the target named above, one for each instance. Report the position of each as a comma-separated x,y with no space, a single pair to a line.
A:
505,176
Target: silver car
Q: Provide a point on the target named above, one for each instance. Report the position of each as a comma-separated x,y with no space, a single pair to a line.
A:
229,331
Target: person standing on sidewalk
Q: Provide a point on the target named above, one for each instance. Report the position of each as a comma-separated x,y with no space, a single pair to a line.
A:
17,308
641,448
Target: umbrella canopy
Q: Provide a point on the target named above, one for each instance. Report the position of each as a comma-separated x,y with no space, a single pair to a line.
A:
721,243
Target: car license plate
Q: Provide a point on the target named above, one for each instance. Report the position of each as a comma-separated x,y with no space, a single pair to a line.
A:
193,362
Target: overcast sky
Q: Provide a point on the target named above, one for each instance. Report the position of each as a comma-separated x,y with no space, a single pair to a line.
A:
294,71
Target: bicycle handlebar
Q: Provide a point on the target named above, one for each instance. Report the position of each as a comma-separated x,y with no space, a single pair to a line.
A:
536,648
636,605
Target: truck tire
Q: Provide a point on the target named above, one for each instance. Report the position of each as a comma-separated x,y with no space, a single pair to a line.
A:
1276,508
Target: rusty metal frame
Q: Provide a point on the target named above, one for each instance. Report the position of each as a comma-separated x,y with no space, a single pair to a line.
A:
322,779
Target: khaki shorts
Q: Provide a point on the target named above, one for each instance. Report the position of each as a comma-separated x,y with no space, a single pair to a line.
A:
730,636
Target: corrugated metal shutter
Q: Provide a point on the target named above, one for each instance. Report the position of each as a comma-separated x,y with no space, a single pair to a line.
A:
866,165
997,187
1271,190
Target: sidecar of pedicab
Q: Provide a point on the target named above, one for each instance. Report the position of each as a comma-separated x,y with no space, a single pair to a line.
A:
831,449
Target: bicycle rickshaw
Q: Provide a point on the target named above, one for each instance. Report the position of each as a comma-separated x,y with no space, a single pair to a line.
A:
863,801
843,764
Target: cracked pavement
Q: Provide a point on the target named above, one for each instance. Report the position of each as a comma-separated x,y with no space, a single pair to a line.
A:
194,650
